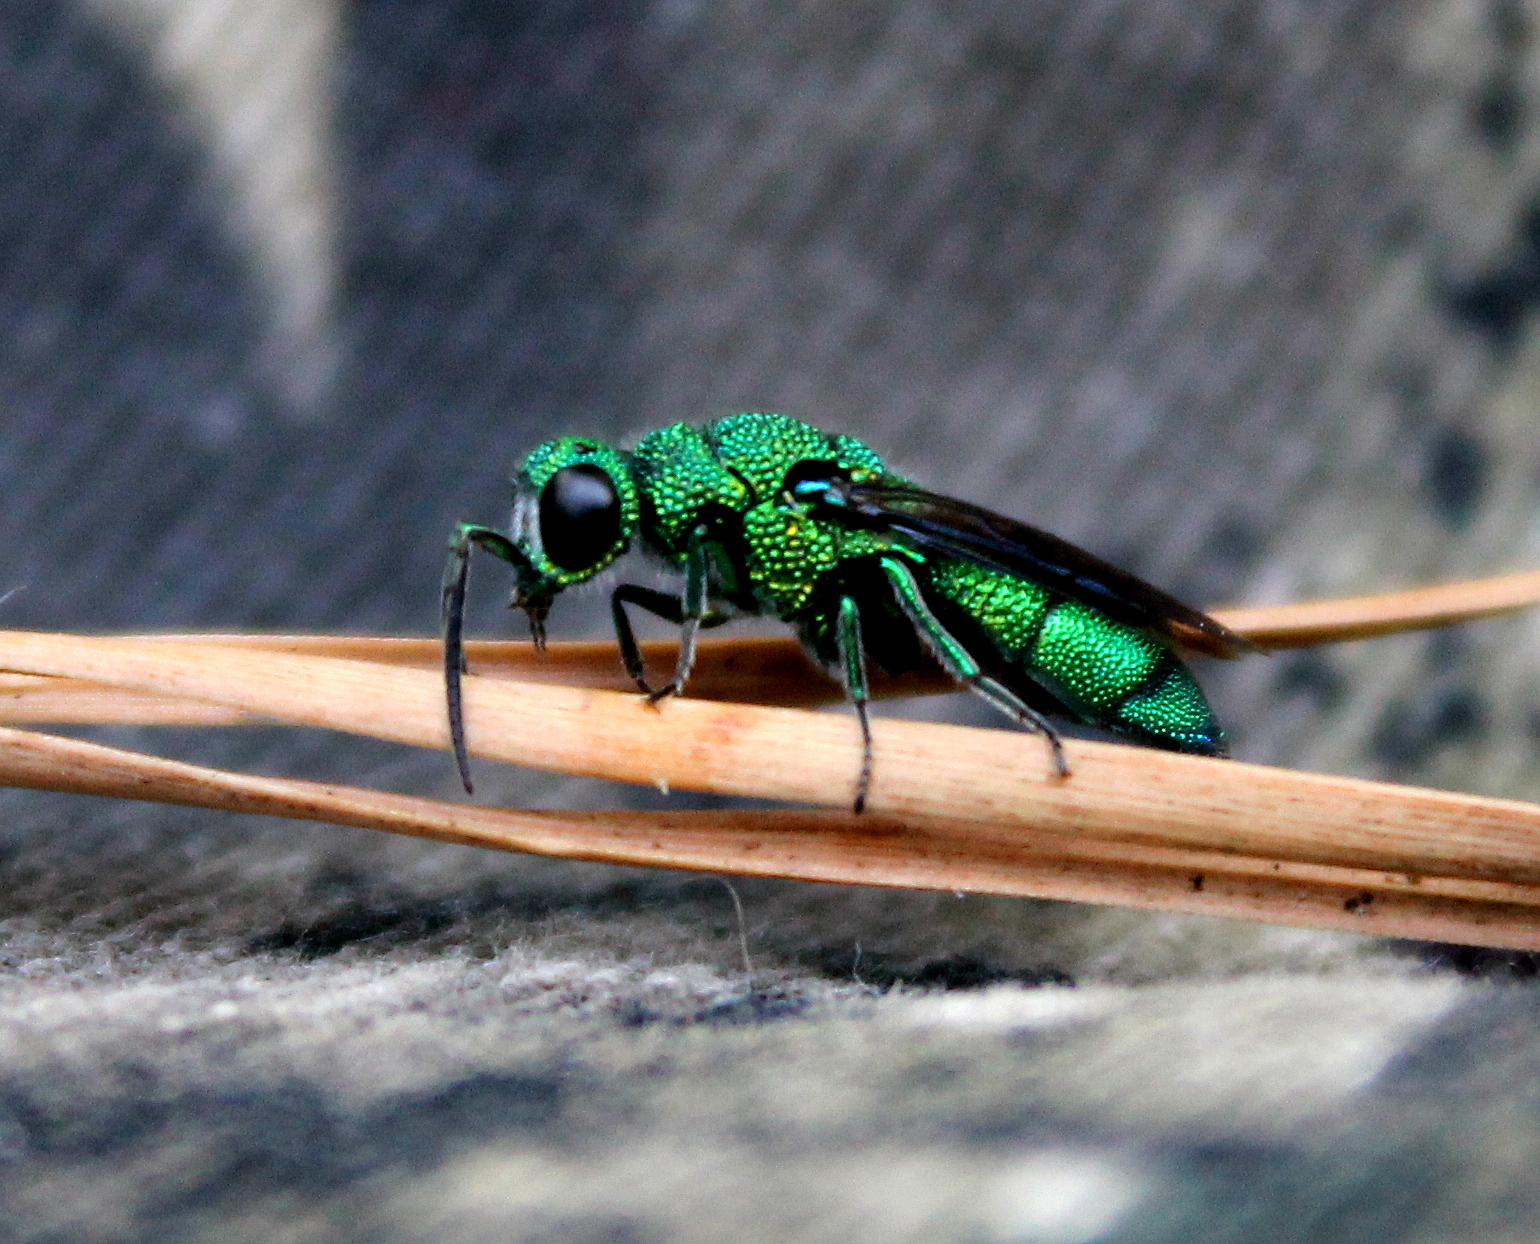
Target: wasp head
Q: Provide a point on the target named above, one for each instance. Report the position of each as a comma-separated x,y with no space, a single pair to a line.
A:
575,509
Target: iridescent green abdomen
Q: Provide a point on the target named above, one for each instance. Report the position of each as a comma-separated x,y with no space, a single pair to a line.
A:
1107,674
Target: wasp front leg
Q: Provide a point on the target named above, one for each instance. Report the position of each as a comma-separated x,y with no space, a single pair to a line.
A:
466,536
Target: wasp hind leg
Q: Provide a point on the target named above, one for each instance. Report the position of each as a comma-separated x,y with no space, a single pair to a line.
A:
852,668
1014,707
961,664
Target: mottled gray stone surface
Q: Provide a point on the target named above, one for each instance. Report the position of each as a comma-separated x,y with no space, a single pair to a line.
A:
1239,294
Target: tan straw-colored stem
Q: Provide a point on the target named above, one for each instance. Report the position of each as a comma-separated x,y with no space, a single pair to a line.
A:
923,772
952,808
1366,617
755,669
832,847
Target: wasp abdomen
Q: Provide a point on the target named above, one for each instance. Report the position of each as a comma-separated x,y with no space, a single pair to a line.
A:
1103,672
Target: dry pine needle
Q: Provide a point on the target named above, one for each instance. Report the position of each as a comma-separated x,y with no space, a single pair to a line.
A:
953,808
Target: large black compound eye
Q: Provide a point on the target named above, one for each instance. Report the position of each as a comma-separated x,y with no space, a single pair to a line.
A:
579,517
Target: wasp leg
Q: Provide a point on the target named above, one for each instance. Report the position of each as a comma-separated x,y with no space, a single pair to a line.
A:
661,604
689,613
960,663
853,674
466,535
696,563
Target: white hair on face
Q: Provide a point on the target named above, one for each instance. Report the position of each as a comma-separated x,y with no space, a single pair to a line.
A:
524,526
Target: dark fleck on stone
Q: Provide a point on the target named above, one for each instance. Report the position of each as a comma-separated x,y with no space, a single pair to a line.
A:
1235,547
601,1230
1498,302
1310,674
1509,25
1478,961
756,1007
1409,383
753,1008
1455,472
1498,113
266,1138
1448,650
390,925
1412,730
952,972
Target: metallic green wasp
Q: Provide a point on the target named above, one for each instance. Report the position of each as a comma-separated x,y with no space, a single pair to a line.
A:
764,514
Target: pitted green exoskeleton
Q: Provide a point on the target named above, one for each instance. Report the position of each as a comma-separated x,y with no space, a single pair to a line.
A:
764,514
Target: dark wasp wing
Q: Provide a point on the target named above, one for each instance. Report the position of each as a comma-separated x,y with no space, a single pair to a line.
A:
972,533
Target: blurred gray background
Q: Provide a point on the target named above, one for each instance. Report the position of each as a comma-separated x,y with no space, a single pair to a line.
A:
1238,294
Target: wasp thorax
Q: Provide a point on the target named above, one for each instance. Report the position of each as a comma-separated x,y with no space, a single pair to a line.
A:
579,517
